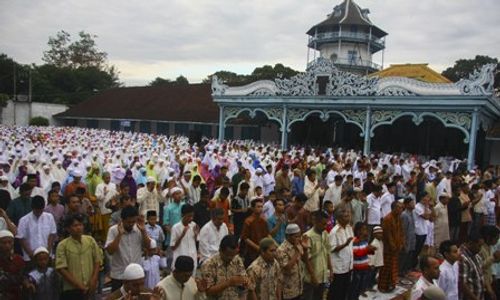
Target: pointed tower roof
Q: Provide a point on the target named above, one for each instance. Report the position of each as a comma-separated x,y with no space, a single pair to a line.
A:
347,13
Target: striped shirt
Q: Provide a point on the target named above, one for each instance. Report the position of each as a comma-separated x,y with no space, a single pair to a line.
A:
360,251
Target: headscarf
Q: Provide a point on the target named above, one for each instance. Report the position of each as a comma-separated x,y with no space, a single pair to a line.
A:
93,179
130,182
141,177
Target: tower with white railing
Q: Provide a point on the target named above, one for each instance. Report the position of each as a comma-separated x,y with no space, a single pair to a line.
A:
348,38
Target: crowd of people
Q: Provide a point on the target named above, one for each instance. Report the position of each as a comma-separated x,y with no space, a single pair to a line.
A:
158,217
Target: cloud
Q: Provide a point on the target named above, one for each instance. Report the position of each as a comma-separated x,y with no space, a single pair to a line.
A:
195,38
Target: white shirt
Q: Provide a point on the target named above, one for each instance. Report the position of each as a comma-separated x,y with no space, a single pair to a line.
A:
419,288
421,226
269,184
36,231
377,259
151,266
330,177
268,209
210,239
129,250
103,193
148,200
174,290
374,209
385,203
187,246
342,260
448,279
333,194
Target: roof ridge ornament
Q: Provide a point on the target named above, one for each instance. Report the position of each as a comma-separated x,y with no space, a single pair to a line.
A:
218,87
342,83
480,82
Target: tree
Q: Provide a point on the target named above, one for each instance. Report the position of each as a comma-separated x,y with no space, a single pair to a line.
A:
80,53
39,121
3,101
59,52
228,77
181,80
74,70
270,73
266,72
464,67
158,81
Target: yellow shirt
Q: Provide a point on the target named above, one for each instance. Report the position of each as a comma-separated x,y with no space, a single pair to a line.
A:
319,254
78,258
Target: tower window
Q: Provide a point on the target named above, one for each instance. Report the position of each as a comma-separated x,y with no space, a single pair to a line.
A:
354,28
352,57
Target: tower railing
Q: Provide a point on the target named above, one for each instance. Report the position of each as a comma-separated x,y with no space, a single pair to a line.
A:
324,37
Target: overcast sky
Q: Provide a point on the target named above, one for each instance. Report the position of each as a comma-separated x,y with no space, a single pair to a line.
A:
166,38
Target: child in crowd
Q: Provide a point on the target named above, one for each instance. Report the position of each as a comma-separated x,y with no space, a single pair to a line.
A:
361,266
328,208
152,263
153,229
377,258
268,209
43,279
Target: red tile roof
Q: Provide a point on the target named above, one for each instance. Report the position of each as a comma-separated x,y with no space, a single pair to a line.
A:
189,103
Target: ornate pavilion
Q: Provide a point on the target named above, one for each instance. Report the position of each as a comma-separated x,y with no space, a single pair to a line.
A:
365,102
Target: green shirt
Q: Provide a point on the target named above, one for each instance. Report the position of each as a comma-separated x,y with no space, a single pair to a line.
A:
78,258
18,208
319,254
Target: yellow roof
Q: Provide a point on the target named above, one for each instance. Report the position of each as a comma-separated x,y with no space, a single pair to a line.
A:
415,71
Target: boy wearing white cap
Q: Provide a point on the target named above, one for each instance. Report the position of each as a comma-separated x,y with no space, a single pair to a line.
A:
43,278
152,263
148,197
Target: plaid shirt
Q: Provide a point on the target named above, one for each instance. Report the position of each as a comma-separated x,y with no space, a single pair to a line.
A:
471,272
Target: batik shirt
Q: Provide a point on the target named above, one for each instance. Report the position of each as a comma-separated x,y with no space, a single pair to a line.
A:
214,271
264,278
292,283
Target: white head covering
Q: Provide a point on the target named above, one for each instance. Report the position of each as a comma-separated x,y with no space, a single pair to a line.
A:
133,272
40,250
175,190
151,179
6,233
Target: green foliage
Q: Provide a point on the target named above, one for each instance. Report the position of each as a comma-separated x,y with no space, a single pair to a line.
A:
80,53
69,86
3,100
73,71
261,73
181,80
464,67
160,81
39,121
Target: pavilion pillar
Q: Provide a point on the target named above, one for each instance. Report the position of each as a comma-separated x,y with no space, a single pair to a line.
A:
472,141
284,130
222,124
367,138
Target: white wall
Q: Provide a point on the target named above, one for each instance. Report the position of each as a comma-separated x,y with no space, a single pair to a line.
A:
18,113
328,49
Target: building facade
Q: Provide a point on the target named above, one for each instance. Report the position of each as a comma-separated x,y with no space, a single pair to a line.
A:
365,102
